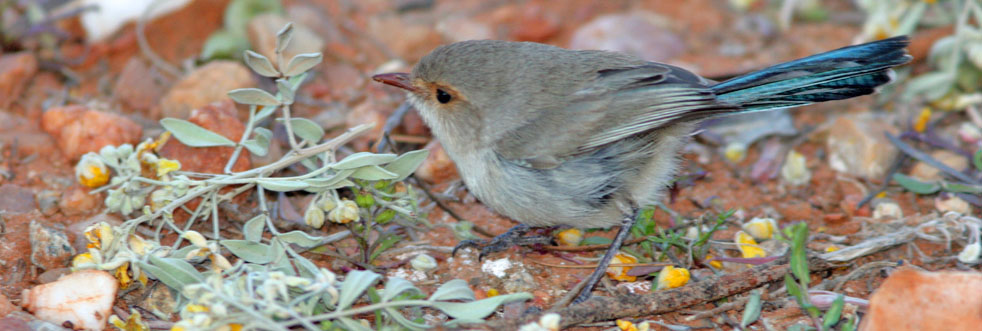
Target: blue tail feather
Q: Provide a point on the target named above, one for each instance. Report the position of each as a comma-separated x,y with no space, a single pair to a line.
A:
839,74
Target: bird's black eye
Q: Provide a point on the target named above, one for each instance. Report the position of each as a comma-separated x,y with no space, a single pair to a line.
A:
442,96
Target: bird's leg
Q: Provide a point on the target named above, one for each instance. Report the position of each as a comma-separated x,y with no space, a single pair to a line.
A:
601,269
513,237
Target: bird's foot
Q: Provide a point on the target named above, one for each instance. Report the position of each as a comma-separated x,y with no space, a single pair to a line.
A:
513,237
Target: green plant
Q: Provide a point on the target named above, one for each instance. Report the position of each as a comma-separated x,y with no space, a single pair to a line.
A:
271,285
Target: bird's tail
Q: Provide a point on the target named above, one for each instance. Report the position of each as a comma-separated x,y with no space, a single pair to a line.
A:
840,74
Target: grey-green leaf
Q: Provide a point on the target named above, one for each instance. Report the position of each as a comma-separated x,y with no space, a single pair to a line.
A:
282,185
193,135
260,64
405,322
373,173
476,310
456,289
301,63
932,86
306,129
253,96
264,113
405,164
355,283
301,238
255,147
751,312
283,37
285,91
249,251
350,324
254,228
175,273
395,286
915,185
362,159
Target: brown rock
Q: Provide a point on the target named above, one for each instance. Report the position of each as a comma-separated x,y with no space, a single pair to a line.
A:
79,201
460,28
535,23
262,31
923,171
50,247
859,148
207,84
219,117
15,71
410,39
344,81
917,300
642,34
438,167
140,87
16,199
6,307
79,130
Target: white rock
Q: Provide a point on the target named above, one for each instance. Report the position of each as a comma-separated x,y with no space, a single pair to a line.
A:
83,298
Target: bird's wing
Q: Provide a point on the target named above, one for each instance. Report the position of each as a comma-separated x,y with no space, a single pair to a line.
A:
616,104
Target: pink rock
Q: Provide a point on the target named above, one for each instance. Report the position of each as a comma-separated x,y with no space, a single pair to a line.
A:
78,201
79,130
207,84
917,300
535,23
15,71
642,34
859,148
82,299
139,88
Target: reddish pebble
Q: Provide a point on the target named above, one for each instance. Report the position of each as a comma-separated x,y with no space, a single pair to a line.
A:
219,117
79,130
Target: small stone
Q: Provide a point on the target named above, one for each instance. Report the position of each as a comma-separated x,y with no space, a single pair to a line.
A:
205,85
262,31
438,167
535,23
78,200
926,172
952,203
139,87
917,300
859,148
887,210
639,33
49,246
16,199
16,70
47,201
219,117
79,130
6,307
84,299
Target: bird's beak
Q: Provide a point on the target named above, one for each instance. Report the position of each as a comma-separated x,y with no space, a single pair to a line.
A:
397,79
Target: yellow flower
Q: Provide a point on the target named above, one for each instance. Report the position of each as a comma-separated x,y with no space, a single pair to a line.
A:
761,228
794,171
921,123
620,273
626,325
195,308
138,245
831,248
714,263
493,293
123,275
133,323
165,166
195,238
570,237
345,212
672,277
735,152
314,216
91,171
99,233
748,246
83,259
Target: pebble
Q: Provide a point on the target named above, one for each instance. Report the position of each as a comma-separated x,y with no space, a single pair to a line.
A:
84,299
47,201
858,147
926,172
918,300
16,70
205,85
639,33
78,130
78,201
49,246
15,199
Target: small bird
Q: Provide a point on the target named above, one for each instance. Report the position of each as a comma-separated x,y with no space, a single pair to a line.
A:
549,136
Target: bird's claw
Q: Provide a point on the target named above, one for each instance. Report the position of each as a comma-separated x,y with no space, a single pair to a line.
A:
512,237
